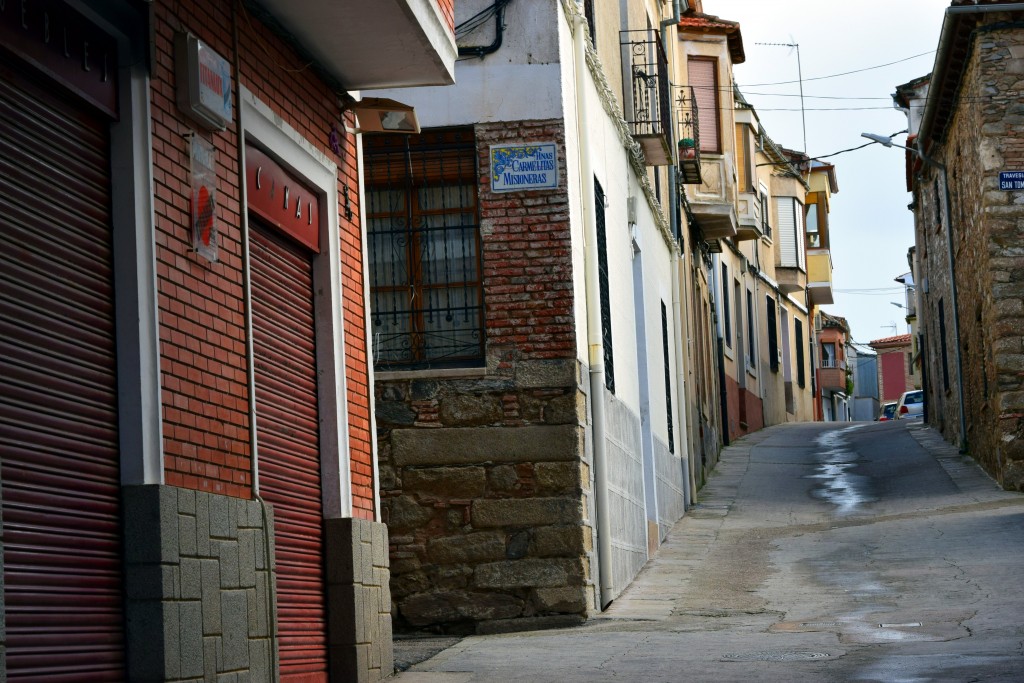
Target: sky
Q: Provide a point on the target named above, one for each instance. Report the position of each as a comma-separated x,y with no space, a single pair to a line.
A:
871,227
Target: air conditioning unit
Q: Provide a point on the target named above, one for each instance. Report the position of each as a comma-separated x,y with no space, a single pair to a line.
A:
817,322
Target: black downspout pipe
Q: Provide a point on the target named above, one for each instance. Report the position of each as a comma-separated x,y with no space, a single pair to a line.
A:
499,30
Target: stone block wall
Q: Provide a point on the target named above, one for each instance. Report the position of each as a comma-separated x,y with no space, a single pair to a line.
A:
485,477
198,586
985,138
487,524
359,600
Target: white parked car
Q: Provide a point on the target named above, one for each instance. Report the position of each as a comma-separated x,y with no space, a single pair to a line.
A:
911,405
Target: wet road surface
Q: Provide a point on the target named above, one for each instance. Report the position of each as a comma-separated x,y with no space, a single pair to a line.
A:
817,552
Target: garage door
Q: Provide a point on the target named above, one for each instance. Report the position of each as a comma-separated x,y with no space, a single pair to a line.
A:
287,433
58,409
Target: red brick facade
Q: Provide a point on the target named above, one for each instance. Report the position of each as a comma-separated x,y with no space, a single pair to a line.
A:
746,412
202,318
527,255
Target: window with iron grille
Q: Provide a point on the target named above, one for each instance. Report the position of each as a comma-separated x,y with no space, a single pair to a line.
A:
668,378
726,313
773,335
588,13
602,272
766,226
801,373
423,229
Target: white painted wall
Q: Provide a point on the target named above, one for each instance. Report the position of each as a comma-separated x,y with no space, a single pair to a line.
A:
522,81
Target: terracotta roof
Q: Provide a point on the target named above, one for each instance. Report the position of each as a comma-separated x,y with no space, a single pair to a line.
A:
898,340
707,23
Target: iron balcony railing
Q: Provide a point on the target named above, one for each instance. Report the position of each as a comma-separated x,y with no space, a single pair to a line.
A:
648,106
688,130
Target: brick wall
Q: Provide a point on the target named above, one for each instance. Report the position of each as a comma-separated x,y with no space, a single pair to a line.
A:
202,333
484,477
527,255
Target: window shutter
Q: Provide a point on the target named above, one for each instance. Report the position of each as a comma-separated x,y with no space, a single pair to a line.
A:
704,80
788,255
798,234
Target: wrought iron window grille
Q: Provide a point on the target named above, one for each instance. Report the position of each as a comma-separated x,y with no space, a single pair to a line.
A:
648,109
603,284
688,130
423,231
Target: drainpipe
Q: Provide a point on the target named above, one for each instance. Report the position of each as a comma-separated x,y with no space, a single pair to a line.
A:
595,343
677,274
254,461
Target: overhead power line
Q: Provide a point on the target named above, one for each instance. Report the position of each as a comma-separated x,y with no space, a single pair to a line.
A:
844,73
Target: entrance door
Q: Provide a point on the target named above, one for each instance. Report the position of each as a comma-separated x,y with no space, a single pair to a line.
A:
58,390
288,445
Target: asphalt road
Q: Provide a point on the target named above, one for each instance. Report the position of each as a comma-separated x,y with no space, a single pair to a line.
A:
817,552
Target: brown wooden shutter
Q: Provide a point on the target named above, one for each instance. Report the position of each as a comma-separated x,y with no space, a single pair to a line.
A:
58,392
287,433
704,80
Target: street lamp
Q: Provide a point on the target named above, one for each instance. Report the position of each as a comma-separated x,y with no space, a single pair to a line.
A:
886,141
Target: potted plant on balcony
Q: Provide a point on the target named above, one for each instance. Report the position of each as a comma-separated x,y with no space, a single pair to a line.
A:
687,148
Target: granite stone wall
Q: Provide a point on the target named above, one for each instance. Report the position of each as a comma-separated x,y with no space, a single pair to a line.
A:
359,600
487,523
198,586
985,137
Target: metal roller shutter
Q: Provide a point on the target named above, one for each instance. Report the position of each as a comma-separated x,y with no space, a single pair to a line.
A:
58,393
287,433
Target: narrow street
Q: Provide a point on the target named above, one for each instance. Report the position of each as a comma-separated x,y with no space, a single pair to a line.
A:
871,552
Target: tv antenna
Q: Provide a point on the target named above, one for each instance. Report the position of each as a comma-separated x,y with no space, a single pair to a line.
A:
793,45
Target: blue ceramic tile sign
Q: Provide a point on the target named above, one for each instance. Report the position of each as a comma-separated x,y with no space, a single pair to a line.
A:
1011,180
529,166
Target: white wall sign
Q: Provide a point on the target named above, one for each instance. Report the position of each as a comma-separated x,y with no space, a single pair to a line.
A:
529,166
204,82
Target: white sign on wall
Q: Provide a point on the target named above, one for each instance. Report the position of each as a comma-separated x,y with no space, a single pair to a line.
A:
529,166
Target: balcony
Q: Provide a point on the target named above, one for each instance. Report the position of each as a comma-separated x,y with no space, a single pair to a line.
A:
369,43
819,277
688,130
832,378
647,107
790,280
712,201
753,221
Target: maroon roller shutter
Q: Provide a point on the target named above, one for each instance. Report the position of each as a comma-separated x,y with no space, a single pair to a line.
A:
58,396
287,433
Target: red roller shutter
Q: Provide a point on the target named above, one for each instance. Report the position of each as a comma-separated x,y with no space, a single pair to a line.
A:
58,394
287,433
